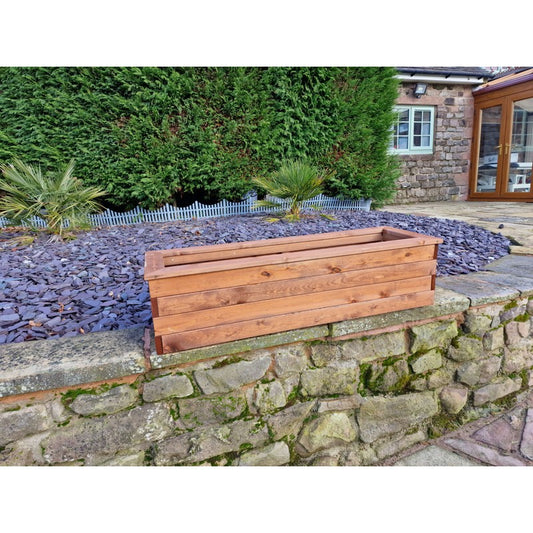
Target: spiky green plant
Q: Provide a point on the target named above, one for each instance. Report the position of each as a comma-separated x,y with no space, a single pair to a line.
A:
55,198
296,181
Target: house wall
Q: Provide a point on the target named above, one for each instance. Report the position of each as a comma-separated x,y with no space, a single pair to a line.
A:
442,175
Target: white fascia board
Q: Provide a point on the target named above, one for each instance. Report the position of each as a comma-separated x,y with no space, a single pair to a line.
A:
450,80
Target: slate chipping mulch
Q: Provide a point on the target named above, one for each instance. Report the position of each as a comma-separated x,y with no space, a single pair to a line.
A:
95,282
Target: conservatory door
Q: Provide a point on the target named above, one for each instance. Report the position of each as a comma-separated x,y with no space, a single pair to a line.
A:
503,149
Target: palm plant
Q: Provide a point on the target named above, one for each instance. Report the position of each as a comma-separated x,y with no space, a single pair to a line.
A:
296,181
59,199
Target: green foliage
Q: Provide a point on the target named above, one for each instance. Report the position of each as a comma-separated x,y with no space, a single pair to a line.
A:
55,198
154,135
295,181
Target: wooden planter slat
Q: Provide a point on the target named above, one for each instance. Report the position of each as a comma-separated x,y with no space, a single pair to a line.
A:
211,299
211,294
216,335
277,272
279,306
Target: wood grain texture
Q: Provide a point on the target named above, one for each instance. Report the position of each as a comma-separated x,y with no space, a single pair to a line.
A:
213,294
252,328
212,299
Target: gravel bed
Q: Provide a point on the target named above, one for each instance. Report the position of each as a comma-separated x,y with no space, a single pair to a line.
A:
95,282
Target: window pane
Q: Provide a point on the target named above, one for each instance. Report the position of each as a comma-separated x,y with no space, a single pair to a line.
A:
402,143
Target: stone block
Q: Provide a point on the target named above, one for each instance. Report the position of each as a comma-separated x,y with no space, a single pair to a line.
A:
517,358
174,386
269,397
396,445
477,322
375,347
134,459
328,381
290,360
326,431
107,435
276,454
494,391
24,452
232,376
387,377
108,402
380,416
323,354
439,378
206,443
348,403
289,421
479,372
494,339
428,361
194,412
453,398
465,349
433,335
26,421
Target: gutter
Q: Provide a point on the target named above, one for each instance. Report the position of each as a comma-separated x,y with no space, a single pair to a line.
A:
443,79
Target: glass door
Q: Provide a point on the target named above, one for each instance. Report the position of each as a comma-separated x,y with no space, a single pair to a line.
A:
490,149
520,148
502,155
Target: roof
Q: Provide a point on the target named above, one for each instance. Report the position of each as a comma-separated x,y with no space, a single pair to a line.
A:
514,77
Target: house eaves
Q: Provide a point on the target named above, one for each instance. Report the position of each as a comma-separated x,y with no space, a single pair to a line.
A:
444,75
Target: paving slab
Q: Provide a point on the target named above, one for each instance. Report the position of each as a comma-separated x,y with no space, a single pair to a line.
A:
517,265
479,292
435,456
522,284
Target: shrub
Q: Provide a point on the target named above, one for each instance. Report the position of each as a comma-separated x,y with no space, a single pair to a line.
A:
295,181
59,199
153,135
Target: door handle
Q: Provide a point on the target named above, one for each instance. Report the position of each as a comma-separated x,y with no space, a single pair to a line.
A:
499,147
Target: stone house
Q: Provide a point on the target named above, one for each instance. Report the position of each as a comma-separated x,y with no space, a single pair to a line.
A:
434,136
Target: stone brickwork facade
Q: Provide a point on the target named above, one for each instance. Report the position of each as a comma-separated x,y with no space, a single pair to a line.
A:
442,175
351,393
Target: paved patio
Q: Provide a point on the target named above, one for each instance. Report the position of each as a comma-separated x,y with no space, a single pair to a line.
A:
512,219
505,439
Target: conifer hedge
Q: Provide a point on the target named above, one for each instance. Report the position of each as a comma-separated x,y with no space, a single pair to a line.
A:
152,135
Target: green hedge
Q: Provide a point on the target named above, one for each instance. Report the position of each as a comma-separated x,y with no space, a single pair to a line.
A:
153,135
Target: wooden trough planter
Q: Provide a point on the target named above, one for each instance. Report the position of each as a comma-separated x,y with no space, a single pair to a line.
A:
208,295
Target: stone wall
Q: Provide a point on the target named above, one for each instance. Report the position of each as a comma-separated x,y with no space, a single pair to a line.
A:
442,175
350,393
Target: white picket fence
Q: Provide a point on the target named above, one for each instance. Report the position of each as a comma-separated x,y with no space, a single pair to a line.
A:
169,213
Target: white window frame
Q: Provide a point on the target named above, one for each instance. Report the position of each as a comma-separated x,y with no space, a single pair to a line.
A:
411,149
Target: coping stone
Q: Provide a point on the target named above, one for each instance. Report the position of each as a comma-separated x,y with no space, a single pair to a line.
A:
240,346
520,283
517,265
52,364
478,291
446,302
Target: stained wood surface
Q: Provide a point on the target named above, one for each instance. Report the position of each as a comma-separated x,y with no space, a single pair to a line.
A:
264,326
250,275
211,294
210,299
